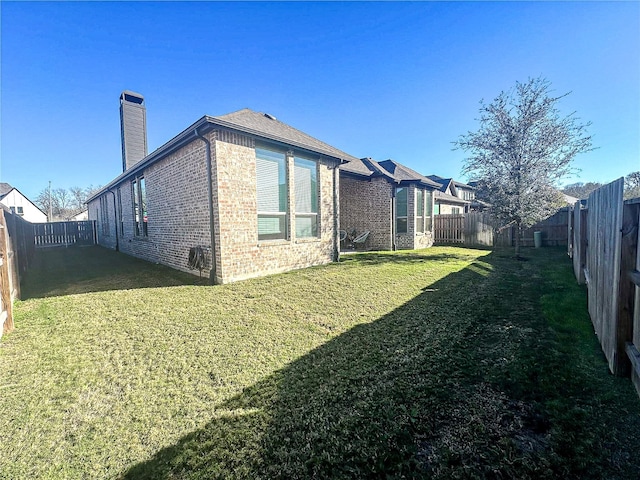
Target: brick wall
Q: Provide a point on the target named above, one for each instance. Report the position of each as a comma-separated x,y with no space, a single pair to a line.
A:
242,254
178,213
109,239
366,205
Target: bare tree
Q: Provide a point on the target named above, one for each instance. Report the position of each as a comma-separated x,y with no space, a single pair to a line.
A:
581,190
42,201
522,147
78,197
632,185
65,203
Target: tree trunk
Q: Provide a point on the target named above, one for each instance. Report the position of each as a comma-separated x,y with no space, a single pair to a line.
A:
517,240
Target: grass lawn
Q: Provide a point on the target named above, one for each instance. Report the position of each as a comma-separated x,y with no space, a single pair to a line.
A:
442,363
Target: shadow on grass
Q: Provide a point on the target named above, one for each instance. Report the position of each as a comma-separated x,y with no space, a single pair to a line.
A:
456,383
400,257
67,271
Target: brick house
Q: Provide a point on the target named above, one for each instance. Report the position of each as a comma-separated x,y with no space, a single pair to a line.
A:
251,193
391,201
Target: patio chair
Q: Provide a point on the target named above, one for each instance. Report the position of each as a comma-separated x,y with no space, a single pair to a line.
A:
360,239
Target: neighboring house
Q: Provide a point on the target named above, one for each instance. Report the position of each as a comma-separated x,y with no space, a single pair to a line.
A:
459,190
445,204
569,199
15,201
390,201
258,193
80,216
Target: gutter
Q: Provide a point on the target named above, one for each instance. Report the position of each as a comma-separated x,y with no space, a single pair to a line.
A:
212,272
336,213
394,247
186,136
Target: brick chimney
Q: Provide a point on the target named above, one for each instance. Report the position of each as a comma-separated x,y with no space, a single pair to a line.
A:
133,128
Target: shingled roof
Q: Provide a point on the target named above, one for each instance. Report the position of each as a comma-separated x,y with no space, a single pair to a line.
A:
358,167
445,197
403,173
445,182
390,169
247,121
4,189
267,126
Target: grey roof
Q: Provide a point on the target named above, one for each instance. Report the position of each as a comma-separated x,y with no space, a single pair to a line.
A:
569,199
446,198
390,169
246,121
404,173
463,185
267,126
358,167
445,182
4,189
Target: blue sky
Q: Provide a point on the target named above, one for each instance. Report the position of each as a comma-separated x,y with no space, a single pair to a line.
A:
384,80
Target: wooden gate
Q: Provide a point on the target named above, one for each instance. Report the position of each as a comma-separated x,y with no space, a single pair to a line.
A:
448,229
602,273
64,234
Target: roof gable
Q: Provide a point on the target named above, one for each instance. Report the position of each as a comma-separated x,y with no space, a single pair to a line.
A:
402,173
267,126
358,167
445,183
7,189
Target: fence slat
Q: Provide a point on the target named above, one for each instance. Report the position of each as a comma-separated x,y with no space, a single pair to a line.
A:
480,229
57,234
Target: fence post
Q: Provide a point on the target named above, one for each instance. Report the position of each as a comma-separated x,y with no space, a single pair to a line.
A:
5,286
635,373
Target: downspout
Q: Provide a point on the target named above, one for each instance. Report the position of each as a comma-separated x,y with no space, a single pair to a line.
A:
212,272
393,218
115,212
336,213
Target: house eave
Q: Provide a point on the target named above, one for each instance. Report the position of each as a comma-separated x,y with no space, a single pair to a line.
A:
206,124
275,138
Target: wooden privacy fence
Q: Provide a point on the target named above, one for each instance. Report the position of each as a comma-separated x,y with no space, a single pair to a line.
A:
16,253
480,229
448,228
58,234
604,247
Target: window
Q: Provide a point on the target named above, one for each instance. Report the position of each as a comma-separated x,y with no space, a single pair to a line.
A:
272,194
13,209
136,207
401,210
104,215
436,209
455,210
21,211
143,202
139,195
120,218
306,195
419,210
